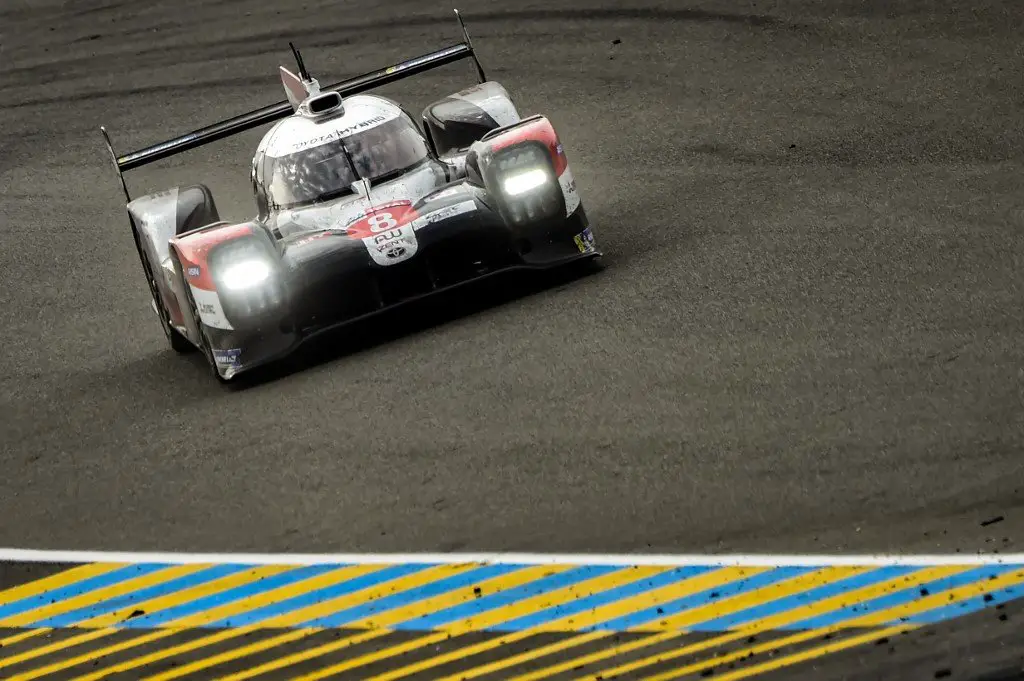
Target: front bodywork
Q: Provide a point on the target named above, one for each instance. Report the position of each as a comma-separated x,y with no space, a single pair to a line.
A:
315,269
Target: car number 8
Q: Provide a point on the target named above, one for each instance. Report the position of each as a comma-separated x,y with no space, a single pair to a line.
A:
382,222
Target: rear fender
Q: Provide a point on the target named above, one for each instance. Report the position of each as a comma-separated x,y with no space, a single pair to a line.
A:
158,217
452,124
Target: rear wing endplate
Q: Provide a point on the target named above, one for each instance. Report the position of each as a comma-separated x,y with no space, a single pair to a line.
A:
275,112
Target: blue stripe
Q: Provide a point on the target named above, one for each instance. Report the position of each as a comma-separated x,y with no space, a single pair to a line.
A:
803,598
503,598
263,585
408,596
964,607
77,589
134,597
318,596
592,601
901,597
660,612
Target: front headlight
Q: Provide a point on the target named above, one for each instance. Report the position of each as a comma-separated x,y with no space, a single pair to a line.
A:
245,274
520,183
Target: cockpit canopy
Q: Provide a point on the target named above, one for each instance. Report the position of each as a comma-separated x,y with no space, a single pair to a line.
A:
323,164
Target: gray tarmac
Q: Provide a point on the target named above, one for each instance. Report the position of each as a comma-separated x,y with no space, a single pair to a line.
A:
805,338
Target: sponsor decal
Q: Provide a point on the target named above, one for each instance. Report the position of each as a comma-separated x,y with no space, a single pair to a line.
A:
393,243
208,306
585,241
336,134
228,358
194,272
572,197
387,233
444,213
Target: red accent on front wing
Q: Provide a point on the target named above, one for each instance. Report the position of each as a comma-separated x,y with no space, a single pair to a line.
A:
194,248
539,130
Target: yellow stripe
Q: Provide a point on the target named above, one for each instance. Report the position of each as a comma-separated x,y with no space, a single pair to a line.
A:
277,664
11,640
861,595
526,655
325,608
651,599
940,598
865,593
104,622
691,585
491,618
614,651
744,600
770,622
58,645
783,661
411,611
615,609
214,614
93,597
364,660
57,581
518,609
84,600
133,643
457,654
276,595
567,594
159,603
235,653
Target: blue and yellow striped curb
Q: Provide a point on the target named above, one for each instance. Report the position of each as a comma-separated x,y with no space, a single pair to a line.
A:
523,617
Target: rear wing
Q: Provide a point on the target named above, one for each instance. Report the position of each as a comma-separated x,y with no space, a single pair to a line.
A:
274,112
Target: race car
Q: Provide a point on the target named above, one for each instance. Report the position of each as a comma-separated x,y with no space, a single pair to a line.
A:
358,210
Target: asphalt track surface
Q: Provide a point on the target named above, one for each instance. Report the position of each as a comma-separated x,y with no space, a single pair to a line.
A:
806,336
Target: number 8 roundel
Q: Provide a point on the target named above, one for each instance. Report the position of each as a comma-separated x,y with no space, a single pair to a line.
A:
382,219
387,232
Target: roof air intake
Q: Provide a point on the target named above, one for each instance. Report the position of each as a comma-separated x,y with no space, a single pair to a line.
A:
324,103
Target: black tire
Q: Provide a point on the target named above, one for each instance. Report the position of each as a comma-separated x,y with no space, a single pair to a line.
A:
178,343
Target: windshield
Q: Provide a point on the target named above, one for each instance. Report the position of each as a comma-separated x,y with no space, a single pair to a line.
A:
325,172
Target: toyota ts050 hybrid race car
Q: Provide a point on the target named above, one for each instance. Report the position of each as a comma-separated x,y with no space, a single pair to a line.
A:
357,210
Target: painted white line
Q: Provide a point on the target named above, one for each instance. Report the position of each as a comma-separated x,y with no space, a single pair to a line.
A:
668,560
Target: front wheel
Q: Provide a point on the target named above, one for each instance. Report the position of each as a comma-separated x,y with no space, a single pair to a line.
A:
178,342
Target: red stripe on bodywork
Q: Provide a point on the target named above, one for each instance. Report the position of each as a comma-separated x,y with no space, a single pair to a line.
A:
193,250
539,130
382,218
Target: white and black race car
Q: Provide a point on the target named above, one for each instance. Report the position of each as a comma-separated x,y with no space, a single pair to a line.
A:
358,209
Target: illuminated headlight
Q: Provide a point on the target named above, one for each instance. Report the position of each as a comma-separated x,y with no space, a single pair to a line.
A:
520,183
245,274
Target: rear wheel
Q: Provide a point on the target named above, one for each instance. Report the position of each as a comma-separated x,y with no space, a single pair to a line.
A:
178,342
